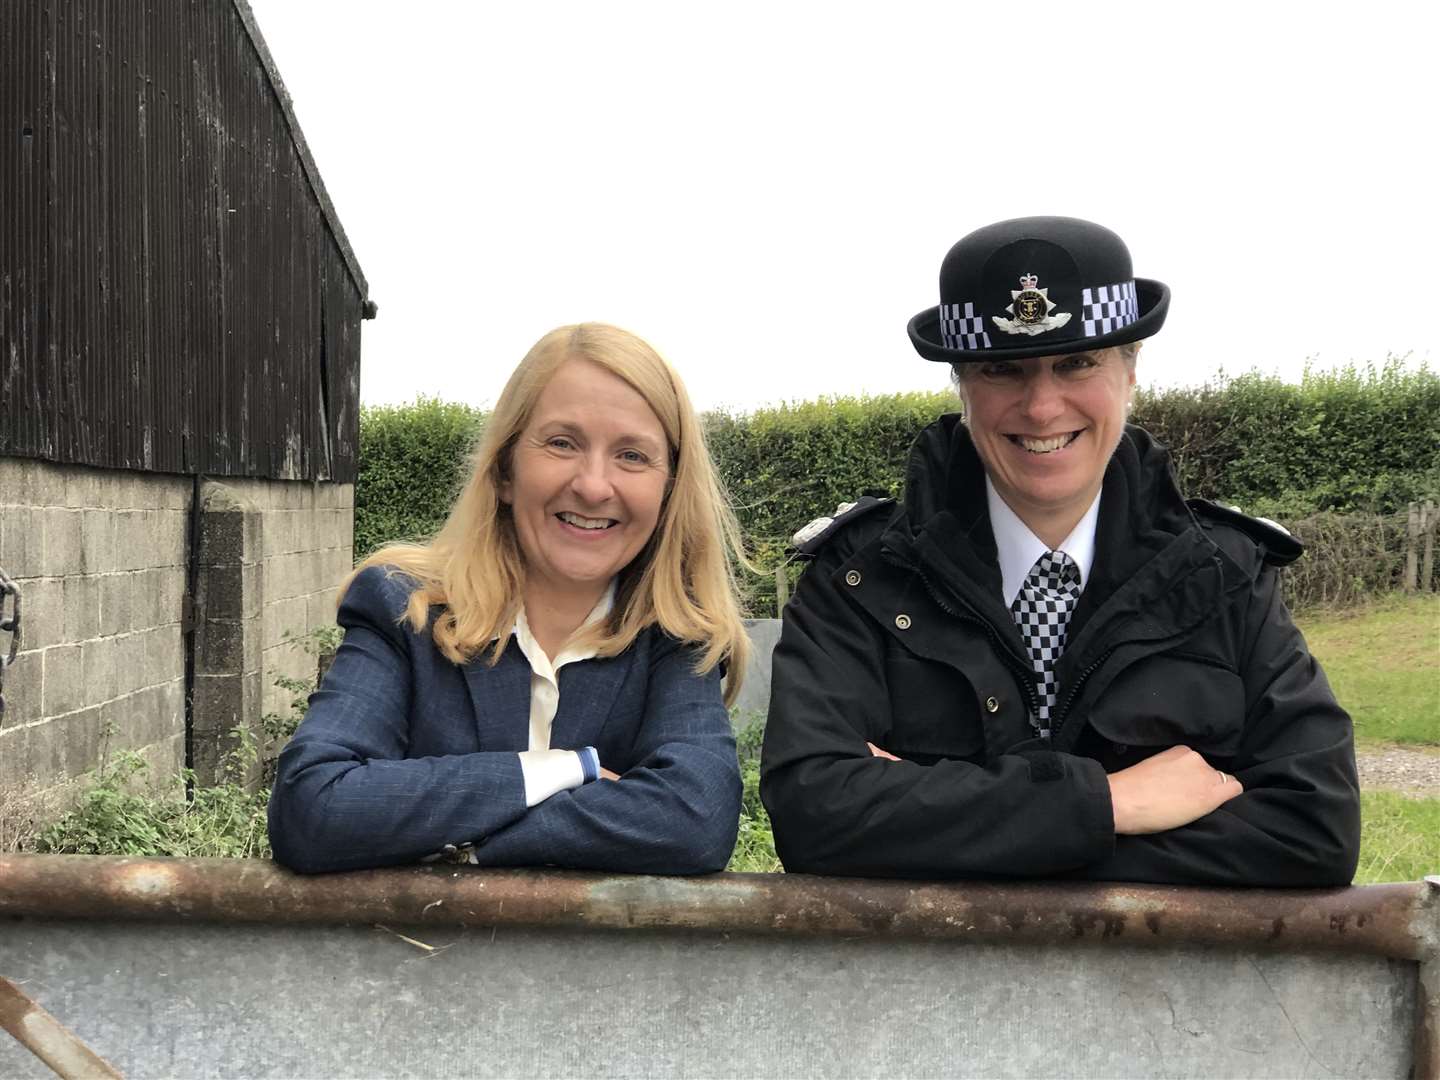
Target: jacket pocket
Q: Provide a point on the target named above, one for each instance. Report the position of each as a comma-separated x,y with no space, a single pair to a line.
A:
1173,699
932,710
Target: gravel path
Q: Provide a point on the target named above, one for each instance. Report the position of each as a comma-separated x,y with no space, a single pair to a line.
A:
1412,770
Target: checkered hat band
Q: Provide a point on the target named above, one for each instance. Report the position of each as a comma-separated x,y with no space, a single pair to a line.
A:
1103,310
1108,308
961,328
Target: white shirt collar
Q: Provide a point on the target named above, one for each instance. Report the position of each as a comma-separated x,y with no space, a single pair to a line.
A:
1018,548
539,662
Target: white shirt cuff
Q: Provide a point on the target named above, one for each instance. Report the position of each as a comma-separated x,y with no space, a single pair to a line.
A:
547,772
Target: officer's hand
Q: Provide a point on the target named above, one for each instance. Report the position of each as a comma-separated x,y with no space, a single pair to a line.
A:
606,774
1173,788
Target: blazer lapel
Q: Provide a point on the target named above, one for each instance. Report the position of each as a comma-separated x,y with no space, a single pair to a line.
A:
588,690
501,697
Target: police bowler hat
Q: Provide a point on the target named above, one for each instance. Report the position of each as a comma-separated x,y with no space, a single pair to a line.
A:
1037,286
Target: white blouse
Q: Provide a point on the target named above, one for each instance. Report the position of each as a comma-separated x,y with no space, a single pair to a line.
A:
548,771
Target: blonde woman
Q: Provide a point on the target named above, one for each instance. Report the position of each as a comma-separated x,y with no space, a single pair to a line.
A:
541,683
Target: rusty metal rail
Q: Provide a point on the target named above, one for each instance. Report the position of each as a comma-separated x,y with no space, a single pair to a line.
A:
48,1039
1401,921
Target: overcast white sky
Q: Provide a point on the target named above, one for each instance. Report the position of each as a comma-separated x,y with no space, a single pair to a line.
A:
765,191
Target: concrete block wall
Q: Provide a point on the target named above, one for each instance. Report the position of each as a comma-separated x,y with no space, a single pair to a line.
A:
307,536
99,557
272,554
101,560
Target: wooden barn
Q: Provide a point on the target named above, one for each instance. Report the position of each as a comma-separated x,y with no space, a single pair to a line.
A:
180,320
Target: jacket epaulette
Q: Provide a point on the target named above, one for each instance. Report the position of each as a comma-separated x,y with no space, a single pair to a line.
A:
1278,546
815,535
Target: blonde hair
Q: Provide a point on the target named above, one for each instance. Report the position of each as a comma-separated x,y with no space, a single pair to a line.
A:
683,580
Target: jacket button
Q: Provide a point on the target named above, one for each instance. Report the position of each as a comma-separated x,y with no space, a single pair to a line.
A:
852,577
902,622
992,704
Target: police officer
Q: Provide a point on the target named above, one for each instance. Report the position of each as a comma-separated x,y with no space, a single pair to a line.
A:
1045,660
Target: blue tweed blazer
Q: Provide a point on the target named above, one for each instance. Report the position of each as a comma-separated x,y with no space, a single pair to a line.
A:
403,752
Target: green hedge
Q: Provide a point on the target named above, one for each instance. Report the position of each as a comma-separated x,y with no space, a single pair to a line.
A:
1351,440
1348,440
786,465
412,459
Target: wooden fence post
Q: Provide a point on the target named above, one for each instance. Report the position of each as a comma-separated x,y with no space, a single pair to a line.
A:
782,589
1428,524
1412,547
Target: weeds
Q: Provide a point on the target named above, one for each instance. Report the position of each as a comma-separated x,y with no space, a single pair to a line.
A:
277,728
21,813
755,845
116,816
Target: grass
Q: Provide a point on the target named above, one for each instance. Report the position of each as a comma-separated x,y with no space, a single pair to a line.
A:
1399,837
1383,662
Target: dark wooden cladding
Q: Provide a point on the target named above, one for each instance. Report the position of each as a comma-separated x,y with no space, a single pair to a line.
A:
176,294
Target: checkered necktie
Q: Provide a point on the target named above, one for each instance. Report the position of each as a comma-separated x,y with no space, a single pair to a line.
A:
1042,612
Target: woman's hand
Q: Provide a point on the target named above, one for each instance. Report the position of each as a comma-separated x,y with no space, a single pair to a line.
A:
1173,788
606,774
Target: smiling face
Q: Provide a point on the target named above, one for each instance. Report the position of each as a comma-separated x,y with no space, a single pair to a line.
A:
1045,428
587,479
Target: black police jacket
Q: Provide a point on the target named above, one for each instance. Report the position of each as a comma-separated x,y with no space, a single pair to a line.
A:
897,635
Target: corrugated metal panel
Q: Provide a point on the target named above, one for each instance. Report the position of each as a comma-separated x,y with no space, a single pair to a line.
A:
175,294
23,239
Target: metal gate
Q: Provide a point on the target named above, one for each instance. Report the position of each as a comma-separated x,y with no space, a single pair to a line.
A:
239,968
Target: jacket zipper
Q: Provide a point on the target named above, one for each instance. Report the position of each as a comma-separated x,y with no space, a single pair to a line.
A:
1064,712
1027,673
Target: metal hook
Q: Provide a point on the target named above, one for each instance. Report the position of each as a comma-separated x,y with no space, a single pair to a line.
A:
10,625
